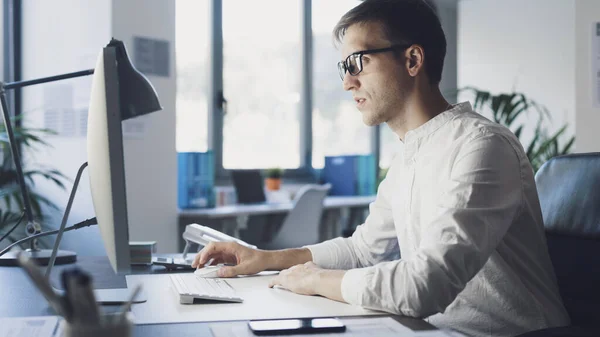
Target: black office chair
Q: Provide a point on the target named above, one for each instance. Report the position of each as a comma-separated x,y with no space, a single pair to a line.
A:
569,191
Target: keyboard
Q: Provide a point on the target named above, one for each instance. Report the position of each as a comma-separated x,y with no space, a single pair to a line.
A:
191,287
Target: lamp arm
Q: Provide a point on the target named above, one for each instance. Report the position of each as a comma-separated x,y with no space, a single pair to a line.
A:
22,84
11,137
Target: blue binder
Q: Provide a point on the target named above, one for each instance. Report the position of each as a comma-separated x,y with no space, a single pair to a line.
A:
350,175
195,179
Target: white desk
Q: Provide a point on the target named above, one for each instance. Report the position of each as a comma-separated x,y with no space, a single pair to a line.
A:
260,302
233,218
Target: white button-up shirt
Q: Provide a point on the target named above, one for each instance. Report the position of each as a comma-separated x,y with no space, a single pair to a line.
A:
455,234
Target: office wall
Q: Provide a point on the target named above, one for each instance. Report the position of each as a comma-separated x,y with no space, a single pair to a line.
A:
587,12
525,45
151,162
65,36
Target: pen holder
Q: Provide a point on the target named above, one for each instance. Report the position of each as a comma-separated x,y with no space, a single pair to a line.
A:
110,325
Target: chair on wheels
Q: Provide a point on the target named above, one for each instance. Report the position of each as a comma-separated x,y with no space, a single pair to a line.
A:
569,192
301,225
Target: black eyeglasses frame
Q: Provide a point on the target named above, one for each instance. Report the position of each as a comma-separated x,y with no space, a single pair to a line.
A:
343,66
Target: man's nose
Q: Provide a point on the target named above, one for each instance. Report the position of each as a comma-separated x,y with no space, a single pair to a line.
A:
350,82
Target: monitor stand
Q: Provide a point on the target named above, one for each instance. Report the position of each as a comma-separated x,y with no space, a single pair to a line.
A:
117,296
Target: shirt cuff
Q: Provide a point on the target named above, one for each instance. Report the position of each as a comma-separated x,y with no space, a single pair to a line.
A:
323,253
321,256
354,284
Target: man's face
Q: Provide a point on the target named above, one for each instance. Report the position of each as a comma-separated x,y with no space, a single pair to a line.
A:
380,89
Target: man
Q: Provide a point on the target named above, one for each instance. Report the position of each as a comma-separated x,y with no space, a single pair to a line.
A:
459,203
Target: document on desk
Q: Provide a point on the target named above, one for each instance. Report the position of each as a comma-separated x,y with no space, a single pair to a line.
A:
42,326
355,327
260,302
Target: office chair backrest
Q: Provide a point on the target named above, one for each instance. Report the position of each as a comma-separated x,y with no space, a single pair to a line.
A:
569,191
301,225
249,186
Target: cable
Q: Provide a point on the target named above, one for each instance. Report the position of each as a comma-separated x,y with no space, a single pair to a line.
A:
13,228
85,223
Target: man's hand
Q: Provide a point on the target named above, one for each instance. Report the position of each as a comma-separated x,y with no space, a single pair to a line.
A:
309,279
246,260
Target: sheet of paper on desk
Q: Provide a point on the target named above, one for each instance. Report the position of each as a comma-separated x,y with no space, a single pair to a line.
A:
42,326
355,327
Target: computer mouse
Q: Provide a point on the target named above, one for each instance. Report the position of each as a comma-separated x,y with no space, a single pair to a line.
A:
208,272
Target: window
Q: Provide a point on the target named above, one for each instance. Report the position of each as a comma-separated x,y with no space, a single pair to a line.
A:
192,47
338,128
4,26
52,47
262,83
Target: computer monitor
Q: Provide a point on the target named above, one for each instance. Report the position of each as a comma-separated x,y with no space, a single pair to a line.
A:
249,186
106,163
119,92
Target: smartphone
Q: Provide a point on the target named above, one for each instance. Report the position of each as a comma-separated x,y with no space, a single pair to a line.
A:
296,326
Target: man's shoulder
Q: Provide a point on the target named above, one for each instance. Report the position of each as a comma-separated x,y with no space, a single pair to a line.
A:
474,126
474,131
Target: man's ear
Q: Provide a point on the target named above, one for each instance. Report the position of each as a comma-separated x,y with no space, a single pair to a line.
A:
414,59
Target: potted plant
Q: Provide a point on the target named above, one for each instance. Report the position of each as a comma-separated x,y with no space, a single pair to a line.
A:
11,200
273,178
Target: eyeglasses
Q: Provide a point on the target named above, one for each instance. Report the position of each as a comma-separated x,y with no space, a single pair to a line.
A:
353,63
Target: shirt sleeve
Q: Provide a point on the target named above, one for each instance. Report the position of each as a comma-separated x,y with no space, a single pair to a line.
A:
372,242
476,207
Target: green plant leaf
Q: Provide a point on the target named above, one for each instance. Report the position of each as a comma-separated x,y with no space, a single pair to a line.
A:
506,108
11,200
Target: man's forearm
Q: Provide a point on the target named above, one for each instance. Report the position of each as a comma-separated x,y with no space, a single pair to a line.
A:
329,284
286,258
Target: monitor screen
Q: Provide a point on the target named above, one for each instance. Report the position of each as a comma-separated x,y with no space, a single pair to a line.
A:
106,164
248,186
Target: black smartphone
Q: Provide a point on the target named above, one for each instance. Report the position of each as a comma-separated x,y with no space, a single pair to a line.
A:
296,326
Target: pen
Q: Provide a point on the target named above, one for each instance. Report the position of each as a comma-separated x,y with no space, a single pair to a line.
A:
77,309
83,298
56,302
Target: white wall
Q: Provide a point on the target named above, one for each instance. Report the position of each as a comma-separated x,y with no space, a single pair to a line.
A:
151,161
588,116
525,45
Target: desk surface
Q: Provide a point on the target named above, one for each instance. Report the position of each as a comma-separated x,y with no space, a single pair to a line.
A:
271,208
21,298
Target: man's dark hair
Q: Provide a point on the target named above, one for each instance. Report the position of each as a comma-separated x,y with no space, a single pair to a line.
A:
404,22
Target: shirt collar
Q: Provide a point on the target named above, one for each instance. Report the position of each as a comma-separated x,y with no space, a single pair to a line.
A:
436,122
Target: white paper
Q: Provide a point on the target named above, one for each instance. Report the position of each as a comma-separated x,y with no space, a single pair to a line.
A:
39,326
596,64
260,302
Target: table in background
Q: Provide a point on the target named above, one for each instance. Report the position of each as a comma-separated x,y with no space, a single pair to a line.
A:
341,213
20,298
